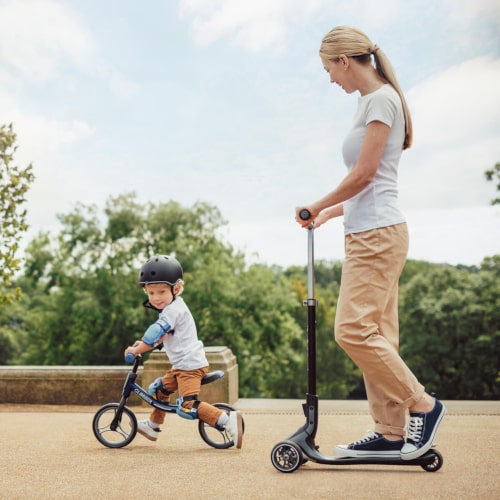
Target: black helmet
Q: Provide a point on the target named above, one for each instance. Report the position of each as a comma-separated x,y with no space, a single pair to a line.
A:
161,269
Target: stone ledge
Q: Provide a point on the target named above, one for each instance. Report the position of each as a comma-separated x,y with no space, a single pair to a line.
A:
97,385
74,385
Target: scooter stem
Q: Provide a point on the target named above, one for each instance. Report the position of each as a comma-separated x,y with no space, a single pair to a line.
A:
311,315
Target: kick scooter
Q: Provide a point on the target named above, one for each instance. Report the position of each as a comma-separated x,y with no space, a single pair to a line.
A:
300,447
115,424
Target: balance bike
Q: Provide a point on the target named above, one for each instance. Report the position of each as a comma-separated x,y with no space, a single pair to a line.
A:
115,424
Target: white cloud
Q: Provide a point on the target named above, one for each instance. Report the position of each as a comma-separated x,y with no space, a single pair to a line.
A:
464,12
44,40
456,117
39,37
254,25
459,104
267,25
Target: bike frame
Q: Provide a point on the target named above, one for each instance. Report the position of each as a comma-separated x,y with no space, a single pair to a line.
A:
131,386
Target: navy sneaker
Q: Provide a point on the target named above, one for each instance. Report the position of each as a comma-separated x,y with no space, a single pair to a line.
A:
422,430
372,445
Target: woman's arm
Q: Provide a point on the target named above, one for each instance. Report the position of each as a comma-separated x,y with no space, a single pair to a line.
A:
357,179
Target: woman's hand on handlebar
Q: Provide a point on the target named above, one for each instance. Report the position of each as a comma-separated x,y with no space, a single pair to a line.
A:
305,216
318,218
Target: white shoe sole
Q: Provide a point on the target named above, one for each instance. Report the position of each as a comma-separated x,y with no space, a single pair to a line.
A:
239,421
346,453
146,435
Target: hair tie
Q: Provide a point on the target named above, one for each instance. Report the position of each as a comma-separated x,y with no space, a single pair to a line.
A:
374,49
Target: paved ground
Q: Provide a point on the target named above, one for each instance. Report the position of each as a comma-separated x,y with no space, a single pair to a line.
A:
50,452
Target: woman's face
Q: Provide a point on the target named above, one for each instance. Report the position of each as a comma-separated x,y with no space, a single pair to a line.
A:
338,69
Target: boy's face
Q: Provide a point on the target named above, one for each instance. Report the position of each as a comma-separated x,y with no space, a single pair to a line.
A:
159,295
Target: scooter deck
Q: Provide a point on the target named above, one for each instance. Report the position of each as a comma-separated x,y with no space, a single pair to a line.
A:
315,456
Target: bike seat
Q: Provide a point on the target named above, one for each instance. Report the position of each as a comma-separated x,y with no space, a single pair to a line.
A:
212,377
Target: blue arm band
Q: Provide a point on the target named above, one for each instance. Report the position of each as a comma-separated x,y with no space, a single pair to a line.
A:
155,331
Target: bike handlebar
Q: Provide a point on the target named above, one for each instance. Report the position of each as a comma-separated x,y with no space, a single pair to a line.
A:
129,358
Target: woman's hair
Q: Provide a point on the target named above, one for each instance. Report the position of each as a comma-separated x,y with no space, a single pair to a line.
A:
352,42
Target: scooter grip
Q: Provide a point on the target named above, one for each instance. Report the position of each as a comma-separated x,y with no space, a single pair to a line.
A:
129,358
304,214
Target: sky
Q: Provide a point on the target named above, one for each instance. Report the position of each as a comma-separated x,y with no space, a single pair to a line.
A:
227,102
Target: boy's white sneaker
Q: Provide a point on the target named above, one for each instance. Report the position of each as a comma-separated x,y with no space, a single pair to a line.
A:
144,428
234,427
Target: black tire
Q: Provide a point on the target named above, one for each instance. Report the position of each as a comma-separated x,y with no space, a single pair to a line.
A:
113,427
214,437
436,464
287,456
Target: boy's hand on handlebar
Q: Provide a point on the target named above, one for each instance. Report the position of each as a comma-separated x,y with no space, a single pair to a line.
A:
132,349
139,347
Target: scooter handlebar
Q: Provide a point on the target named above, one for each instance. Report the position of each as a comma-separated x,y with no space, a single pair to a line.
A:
304,214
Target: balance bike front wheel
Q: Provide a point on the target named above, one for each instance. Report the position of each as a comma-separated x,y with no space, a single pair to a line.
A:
114,426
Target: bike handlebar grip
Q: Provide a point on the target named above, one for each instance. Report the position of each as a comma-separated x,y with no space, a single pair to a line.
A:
304,214
129,358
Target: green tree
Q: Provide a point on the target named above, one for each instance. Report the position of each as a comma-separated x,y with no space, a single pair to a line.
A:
494,175
14,184
450,330
85,303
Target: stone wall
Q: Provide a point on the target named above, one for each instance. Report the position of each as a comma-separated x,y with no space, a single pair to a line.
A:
65,385
97,385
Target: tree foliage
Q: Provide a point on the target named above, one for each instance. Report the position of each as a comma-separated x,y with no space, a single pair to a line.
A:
14,184
82,305
493,174
450,330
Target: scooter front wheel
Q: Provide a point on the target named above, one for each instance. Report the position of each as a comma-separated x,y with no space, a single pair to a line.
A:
217,438
114,426
287,456
436,464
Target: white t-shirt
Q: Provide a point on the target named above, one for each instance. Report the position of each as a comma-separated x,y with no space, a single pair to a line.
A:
377,204
184,349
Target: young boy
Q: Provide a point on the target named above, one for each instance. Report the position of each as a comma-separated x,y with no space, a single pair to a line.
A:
162,280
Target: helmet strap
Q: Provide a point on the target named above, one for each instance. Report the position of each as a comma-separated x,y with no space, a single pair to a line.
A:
148,305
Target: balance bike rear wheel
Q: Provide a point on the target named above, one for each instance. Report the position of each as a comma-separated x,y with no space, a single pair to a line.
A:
214,437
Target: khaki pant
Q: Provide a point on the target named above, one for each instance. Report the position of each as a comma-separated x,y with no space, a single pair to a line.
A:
367,325
187,383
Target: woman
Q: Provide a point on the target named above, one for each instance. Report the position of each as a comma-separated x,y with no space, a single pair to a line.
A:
376,245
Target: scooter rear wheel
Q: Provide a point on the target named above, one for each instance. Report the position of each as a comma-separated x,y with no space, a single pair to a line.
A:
113,426
287,456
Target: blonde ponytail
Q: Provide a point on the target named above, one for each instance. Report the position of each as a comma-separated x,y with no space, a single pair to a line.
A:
352,42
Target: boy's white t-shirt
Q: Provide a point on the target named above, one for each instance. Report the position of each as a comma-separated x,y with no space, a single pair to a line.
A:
184,349
377,204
